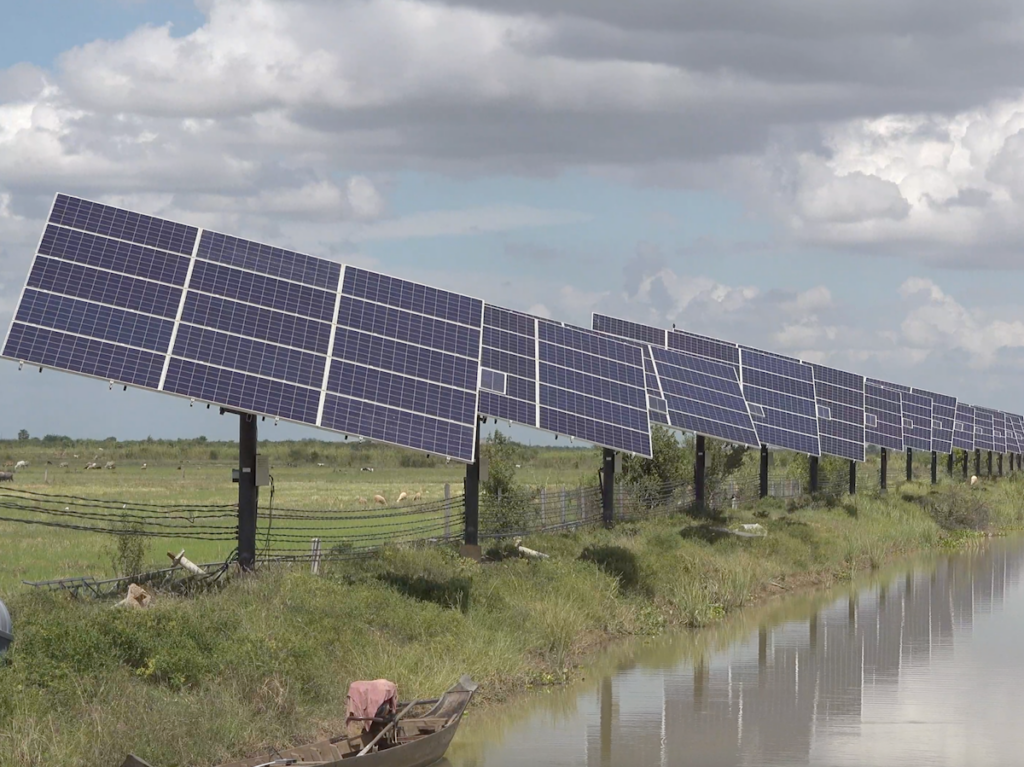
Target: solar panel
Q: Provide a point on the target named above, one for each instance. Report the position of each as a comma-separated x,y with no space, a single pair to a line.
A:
783,390
1016,423
963,427
998,431
626,329
704,396
917,420
984,426
883,414
840,400
657,406
943,418
593,387
1012,444
703,346
509,348
164,306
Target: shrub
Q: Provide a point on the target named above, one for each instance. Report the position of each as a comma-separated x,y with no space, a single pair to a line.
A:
961,508
130,548
616,561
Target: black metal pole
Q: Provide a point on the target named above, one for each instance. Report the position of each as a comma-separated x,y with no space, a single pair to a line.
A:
883,478
1000,464
763,490
967,462
949,467
248,492
813,470
471,493
608,488
935,468
990,463
977,462
698,472
853,477
910,464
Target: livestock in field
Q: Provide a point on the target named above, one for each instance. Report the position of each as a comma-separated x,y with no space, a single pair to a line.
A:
143,466
380,499
63,464
6,476
417,496
402,496
91,465
21,465
109,465
366,468
362,501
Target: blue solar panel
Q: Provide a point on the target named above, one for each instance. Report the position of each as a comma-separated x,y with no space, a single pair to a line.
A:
943,417
883,414
984,427
117,256
412,297
593,387
840,399
626,329
998,431
256,322
704,396
510,348
917,420
1015,425
702,346
1010,434
783,390
123,291
241,391
260,290
84,355
963,427
76,213
265,259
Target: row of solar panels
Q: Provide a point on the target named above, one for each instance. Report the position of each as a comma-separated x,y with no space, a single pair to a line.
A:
754,397
164,306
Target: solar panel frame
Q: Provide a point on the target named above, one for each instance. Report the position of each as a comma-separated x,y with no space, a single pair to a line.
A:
882,400
614,326
784,389
916,410
704,346
509,346
963,427
984,426
999,431
842,433
1012,445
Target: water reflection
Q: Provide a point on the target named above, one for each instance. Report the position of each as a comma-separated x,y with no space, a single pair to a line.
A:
919,668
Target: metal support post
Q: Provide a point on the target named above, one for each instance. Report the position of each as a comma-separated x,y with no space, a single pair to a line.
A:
910,464
1000,464
608,488
248,492
853,477
967,462
990,463
813,470
883,474
763,490
699,462
471,493
935,468
949,467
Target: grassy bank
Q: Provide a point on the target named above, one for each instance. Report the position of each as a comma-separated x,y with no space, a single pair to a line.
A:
266,660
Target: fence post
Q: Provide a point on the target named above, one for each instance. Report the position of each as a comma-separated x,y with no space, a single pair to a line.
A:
583,506
565,503
543,509
447,511
314,550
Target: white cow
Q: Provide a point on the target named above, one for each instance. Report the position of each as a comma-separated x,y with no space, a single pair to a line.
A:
21,465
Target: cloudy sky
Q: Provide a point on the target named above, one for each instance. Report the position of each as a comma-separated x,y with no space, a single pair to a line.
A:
841,181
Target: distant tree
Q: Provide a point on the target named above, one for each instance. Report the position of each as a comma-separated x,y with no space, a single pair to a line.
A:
668,466
23,434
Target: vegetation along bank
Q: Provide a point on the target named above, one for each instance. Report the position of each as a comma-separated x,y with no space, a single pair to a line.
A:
265,660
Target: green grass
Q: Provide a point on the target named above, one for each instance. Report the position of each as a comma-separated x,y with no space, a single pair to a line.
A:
265,661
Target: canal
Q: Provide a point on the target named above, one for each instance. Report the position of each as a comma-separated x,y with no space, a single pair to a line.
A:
918,665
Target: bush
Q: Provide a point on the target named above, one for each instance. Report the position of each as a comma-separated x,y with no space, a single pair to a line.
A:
616,561
451,592
960,508
130,548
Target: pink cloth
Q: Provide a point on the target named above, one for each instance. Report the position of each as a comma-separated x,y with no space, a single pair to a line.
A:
364,698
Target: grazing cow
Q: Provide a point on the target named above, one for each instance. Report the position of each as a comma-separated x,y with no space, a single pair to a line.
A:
63,464
402,496
109,465
417,496
91,465
21,465
321,464
380,499
366,468
6,476
362,501
143,466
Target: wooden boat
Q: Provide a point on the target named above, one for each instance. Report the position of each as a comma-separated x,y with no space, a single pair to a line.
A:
407,741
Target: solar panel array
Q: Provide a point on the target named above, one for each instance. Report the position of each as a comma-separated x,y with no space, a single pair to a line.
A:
782,388
160,305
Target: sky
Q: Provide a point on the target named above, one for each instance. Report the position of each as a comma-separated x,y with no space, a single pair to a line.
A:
841,182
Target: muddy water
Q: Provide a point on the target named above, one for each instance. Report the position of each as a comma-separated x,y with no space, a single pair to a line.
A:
922,665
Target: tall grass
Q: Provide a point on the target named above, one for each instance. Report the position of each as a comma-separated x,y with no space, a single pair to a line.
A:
265,661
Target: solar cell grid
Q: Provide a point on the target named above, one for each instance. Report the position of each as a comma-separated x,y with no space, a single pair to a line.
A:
114,255
402,325
963,427
105,323
943,416
917,420
412,296
703,346
122,224
402,392
509,347
592,364
266,259
626,329
256,322
99,286
883,402
258,289
998,432
407,359
983,429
